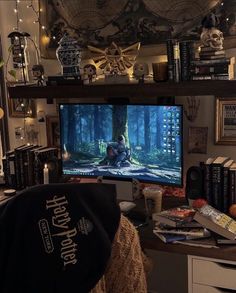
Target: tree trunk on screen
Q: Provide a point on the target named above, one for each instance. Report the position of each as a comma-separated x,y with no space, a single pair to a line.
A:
71,138
147,129
119,122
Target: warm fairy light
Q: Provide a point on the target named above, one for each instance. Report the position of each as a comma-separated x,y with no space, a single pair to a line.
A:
15,10
45,40
43,27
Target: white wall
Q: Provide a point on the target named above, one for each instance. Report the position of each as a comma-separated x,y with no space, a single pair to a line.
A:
207,103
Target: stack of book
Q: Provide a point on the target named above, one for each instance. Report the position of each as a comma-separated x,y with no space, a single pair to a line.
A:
177,224
24,165
212,65
204,226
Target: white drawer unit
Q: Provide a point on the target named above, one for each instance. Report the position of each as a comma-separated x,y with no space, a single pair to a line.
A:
198,288
207,275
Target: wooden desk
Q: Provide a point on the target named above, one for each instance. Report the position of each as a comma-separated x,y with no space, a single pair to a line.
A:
188,269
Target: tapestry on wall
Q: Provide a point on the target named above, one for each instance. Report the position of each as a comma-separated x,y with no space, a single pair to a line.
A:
100,22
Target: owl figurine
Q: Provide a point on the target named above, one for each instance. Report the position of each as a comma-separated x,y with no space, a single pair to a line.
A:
140,70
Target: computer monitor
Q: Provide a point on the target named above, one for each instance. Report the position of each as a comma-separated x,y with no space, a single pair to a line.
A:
122,141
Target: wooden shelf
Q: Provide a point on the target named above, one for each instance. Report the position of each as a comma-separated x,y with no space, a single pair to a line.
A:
219,88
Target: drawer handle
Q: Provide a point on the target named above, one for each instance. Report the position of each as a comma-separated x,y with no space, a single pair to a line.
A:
227,266
225,290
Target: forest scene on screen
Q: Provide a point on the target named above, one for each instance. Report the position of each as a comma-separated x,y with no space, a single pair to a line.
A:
131,141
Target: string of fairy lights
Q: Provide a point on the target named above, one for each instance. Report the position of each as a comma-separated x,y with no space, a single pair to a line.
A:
36,11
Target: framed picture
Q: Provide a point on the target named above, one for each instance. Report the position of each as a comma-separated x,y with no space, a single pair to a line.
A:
21,108
225,122
53,131
197,140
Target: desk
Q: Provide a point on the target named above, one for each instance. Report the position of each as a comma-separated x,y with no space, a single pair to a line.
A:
181,268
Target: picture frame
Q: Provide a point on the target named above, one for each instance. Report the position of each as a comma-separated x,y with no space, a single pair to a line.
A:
53,131
197,140
225,121
22,108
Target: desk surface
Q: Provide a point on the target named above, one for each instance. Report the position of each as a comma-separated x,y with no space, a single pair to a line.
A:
150,241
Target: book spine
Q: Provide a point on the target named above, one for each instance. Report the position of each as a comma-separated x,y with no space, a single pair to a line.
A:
225,190
203,69
207,184
211,62
186,55
170,59
18,162
177,68
211,77
232,193
216,186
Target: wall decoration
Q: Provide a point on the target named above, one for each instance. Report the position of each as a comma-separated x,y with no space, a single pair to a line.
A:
53,131
21,108
225,122
99,23
192,107
197,140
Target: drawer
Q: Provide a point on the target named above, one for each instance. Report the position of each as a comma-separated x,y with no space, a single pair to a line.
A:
213,273
198,288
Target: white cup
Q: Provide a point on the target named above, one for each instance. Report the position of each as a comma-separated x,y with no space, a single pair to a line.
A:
153,199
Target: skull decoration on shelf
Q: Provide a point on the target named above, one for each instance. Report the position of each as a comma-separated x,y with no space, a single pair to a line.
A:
212,37
140,70
90,73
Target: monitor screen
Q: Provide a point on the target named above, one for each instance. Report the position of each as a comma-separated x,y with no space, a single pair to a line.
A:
143,142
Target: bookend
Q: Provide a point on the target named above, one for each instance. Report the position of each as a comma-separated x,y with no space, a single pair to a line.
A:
127,190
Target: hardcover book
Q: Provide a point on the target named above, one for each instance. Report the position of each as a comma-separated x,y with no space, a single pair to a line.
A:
175,217
198,232
172,238
207,186
217,181
216,221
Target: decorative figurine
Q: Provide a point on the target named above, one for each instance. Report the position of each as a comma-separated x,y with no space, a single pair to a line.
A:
69,55
38,74
211,37
140,70
90,73
114,61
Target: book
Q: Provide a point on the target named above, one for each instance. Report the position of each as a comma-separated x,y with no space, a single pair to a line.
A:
207,242
42,157
211,77
211,57
211,53
232,184
227,60
209,49
207,186
225,185
186,55
172,238
217,181
210,69
170,59
216,221
177,67
199,231
221,240
175,217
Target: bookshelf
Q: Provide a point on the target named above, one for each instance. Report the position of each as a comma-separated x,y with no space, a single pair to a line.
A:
220,88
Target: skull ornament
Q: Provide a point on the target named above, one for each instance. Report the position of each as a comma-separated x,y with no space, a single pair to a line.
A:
212,37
